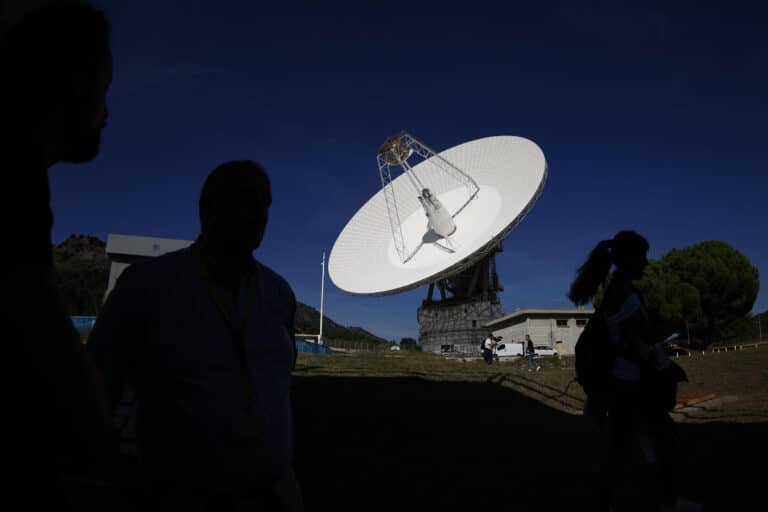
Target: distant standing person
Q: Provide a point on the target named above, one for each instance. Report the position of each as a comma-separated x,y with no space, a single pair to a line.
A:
56,69
488,345
205,337
644,378
531,351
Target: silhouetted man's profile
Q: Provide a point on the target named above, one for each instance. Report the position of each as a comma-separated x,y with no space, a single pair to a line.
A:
55,64
205,337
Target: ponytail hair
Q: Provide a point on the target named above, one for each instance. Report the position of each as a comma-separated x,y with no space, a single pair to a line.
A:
591,274
621,251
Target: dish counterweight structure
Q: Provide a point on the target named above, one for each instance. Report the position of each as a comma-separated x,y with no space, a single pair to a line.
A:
440,223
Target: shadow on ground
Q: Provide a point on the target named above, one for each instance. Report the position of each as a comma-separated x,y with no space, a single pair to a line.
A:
414,444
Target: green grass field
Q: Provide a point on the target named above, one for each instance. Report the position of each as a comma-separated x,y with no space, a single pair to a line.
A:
386,431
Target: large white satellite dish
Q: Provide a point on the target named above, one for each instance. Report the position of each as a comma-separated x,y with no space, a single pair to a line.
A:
442,215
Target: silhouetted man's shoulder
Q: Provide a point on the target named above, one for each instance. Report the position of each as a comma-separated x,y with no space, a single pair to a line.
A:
160,269
278,286
146,280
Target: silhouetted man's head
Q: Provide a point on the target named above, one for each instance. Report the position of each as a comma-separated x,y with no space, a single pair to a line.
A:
234,206
56,67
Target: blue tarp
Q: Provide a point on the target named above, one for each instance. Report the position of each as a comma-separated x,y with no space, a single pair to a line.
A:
312,348
83,324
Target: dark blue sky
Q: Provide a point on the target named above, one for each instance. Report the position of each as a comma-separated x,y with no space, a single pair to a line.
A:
652,118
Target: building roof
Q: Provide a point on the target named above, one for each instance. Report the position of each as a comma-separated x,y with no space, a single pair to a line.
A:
523,312
128,245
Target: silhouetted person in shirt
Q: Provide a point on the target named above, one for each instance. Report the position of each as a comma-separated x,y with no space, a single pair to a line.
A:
644,379
55,69
205,337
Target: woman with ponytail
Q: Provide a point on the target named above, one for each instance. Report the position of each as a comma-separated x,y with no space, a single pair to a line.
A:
621,305
636,414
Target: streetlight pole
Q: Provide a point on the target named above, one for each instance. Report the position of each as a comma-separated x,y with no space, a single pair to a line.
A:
322,300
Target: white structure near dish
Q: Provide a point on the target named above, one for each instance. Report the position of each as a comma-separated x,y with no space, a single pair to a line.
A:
124,250
557,328
472,196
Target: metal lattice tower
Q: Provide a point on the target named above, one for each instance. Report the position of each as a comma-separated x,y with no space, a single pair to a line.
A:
429,177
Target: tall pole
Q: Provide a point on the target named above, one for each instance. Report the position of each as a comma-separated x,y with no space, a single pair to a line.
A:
759,329
322,299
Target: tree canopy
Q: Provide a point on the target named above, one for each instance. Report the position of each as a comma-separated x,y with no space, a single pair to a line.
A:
668,298
726,281
710,285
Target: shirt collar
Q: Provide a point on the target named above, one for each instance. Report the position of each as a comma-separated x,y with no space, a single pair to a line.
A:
224,266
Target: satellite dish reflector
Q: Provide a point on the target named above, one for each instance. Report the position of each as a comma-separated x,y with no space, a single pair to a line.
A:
440,216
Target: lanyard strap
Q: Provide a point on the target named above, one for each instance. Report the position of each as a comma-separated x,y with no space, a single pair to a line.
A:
238,333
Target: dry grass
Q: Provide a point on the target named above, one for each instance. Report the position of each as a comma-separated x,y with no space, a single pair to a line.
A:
738,379
402,431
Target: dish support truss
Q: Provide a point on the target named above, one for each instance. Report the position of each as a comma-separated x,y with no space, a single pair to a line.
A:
436,171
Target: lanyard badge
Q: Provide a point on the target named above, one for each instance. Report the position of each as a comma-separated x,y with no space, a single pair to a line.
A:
238,333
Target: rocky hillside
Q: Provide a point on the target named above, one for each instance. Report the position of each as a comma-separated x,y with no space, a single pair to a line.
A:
308,321
84,268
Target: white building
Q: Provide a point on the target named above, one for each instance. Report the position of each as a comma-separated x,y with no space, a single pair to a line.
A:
557,328
124,250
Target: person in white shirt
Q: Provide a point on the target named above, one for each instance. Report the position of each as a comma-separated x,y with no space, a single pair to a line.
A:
205,338
488,344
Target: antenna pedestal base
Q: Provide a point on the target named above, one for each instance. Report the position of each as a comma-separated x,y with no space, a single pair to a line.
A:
455,327
453,323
